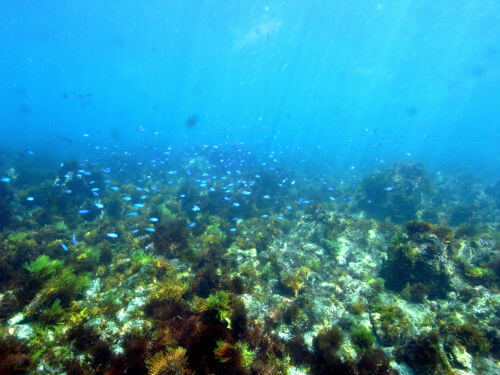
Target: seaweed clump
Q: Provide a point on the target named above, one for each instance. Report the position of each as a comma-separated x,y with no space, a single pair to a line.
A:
374,362
170,238
395,193
326,360
418,261
171,362
14,359
5,205
362,337
425,355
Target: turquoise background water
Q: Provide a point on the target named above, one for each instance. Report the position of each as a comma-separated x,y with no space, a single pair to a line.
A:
359,83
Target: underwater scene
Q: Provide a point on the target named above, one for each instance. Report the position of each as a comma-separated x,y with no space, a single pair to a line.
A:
211,187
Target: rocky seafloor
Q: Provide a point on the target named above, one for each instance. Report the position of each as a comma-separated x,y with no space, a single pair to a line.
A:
208,263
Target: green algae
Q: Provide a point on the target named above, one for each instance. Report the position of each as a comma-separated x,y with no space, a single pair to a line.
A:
43,267
362,337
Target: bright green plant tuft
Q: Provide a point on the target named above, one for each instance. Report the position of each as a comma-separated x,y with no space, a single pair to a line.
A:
362,337
43,267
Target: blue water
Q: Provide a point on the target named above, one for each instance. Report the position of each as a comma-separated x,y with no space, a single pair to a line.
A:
360,84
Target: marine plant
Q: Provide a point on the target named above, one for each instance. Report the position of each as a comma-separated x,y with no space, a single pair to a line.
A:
415,292
199,335
14,357
471,337
247,355
52,314
84,259
238,356
213,238
140,257
6,195
357,308
328,341
391,323
362,337
65,286
169,289
171,238
239,319
418,258
43,267
225,352
293,280
374,362
396,193
170,362
219,301
480,275
425,355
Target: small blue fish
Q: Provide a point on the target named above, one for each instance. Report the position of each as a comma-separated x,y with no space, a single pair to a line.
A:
135,231
133,213
191,225
232,229
64,247
151,229
114,188
196,208
75,242
264,216
331,198
112,235
127,199
99,205
153,219
266,196
68,191
279,217
246,192
84,211
5,179
139,205
236,204
288,207
389,188
30,199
